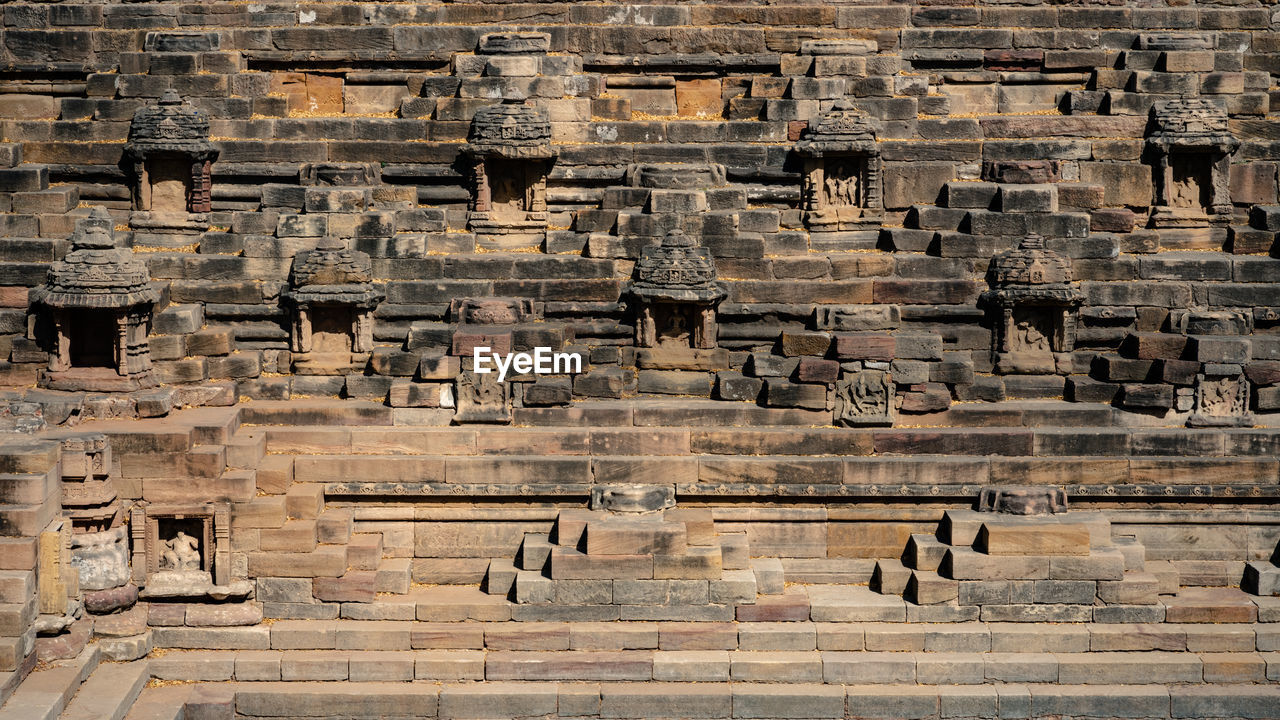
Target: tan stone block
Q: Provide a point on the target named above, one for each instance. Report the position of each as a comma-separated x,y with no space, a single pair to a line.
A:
695,563
869,539
1133,636
326,561
18,553
634,536
54,557
304,501
449,571
261,512
206,666
275,474
293,536
314,665
304,635
446,636
355,586
997,538
373,468
374,635
449,665
528,636
699,98
567,564
237,486
699,525
257,666
381,666
965,564
582,665
613,636
472,539
640,441
1234,668
697,636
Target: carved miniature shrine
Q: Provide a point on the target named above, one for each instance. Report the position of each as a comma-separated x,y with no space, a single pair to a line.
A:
1035,305
509,146
168,159
332,299
841,172
1191,145
94,314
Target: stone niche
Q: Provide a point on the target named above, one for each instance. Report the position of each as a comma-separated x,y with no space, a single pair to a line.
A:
510,155
1035,305
1221,392
331,299
842,174
1189,142
675,295
490,322
168,159
94,314
865,397
184,551
89,497
340,174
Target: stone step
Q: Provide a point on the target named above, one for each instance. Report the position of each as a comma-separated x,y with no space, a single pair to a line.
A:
394,575
890,576
927,587
500,578
362,700
45,692
246,448
1006,437
108,693
535,550
795,608
924,552
315,412
823,476
163,702
511,660
828,571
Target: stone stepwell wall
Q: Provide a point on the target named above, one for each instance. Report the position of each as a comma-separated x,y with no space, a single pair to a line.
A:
1137,141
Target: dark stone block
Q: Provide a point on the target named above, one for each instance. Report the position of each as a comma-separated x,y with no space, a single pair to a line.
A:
781,393
1148,396
817,370
548,392
735,386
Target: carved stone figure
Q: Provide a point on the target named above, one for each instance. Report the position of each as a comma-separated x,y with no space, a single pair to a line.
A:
865,397
632,498
1029,337
1221,401
181,552
492,311
1027,500
481,398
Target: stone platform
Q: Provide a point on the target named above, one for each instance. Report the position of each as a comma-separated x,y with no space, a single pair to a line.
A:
414,568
